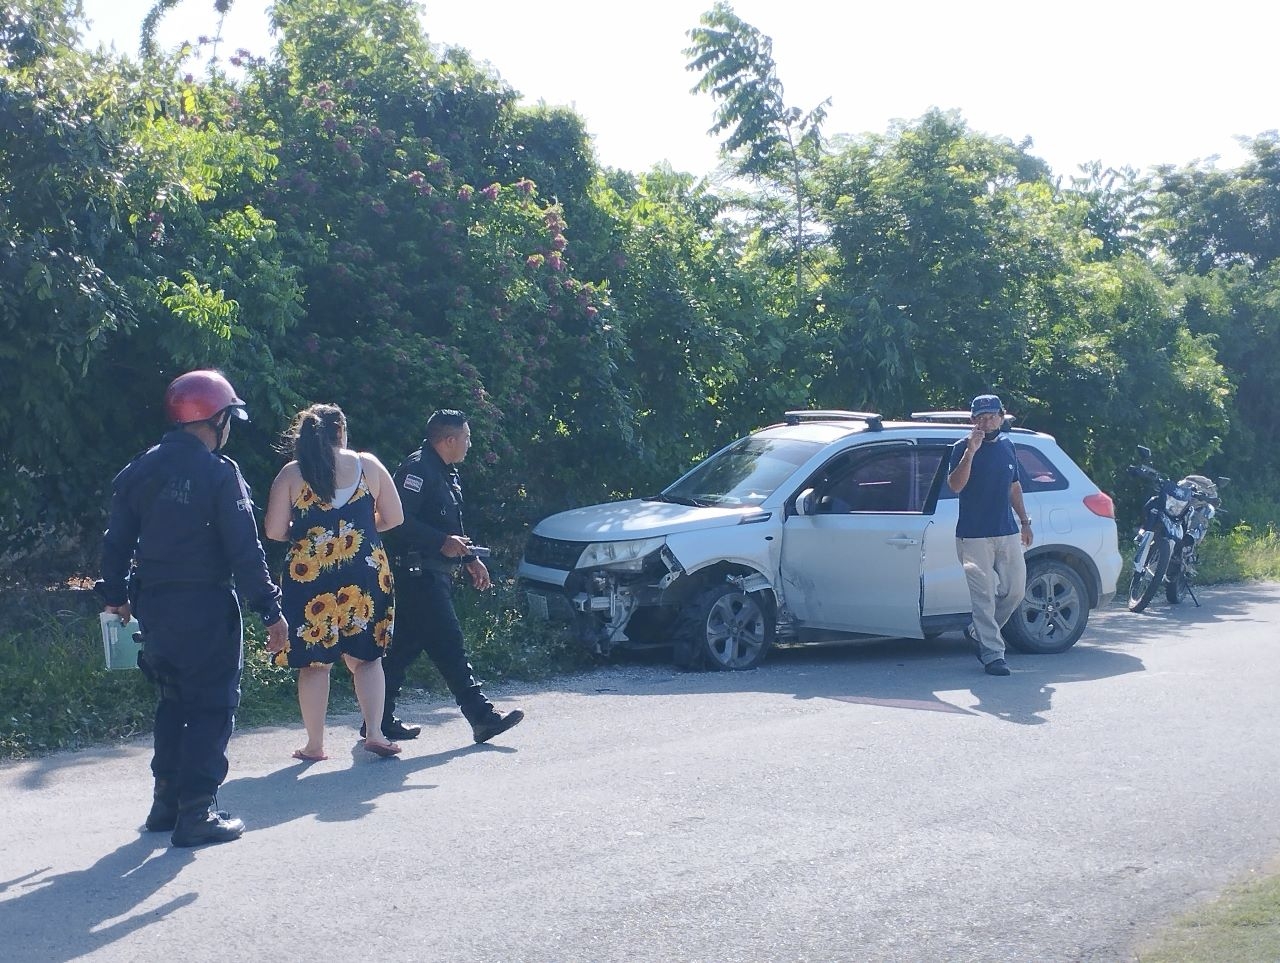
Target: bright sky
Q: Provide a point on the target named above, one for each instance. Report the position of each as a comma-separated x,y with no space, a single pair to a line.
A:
1126,82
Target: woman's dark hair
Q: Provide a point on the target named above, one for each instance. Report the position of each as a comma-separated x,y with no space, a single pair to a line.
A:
315,437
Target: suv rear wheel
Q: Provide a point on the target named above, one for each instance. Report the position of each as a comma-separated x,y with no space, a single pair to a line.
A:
1054,611
726,628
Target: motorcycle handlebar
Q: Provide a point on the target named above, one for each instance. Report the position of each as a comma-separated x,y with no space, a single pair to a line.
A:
1144,471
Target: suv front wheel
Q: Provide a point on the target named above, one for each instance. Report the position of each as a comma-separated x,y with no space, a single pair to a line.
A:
1054,610
726,628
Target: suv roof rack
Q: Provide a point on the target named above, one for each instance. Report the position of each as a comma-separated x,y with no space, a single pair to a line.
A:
949,417
875,422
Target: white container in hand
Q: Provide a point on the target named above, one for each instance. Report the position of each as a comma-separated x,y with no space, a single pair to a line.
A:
118,645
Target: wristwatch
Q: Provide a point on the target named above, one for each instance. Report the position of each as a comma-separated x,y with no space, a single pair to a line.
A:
1025,521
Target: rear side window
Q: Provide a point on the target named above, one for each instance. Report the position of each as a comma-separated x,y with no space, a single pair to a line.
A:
1039,474
894,481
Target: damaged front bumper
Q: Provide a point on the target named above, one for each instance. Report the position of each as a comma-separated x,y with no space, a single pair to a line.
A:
601,601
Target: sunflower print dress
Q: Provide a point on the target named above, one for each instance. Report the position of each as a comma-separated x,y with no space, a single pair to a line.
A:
337,587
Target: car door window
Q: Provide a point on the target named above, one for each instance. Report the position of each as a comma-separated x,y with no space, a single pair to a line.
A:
893,481
930,473
1039,474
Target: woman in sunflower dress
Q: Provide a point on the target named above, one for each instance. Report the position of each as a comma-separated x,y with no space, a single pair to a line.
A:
330,503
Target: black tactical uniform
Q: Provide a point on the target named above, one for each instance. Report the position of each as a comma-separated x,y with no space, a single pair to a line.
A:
184,517
425,619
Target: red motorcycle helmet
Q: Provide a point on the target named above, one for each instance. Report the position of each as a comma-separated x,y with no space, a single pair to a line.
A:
199,396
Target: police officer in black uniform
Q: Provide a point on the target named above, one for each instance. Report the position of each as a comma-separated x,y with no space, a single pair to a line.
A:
426,553
181,529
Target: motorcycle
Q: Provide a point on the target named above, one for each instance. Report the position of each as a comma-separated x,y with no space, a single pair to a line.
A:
1174,522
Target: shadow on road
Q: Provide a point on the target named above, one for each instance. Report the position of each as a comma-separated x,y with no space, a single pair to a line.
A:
1219,604
898,674
911,673
91,908
84,908
332,795
65,916
916,674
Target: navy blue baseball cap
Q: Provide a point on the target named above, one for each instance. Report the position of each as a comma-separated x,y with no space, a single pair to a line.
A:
985,405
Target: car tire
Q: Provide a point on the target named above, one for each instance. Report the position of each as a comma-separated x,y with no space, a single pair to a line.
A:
726,628
1054,610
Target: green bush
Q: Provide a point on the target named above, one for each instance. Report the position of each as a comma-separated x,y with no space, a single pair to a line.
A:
57,694
54,689
1241,555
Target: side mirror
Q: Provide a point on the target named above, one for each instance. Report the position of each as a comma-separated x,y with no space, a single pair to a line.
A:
1144,453
805,503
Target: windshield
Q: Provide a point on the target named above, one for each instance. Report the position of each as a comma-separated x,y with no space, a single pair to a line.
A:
745,473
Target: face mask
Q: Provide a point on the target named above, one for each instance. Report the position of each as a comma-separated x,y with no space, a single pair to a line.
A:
992,435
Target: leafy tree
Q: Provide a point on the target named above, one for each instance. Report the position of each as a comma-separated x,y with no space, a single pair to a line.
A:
1215,218
1119,206
700,346
929,262
122,265
767,141
430,259
65,164
959,267
147,35
1219,228
1239,310
370,220
1110,361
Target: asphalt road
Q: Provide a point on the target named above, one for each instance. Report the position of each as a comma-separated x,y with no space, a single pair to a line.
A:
874,802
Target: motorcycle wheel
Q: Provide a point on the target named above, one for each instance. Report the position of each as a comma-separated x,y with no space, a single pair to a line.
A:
1146,582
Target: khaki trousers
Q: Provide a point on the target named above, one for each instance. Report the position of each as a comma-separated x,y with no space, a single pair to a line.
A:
997,577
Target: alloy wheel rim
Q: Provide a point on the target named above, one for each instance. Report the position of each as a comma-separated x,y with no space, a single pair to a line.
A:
735,630
1052,607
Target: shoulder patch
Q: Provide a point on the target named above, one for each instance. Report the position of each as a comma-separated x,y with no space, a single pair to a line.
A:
245,502
412,483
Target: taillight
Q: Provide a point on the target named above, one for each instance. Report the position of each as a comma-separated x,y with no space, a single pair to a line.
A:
1100,504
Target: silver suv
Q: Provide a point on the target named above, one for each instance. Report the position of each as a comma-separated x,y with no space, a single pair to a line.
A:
831,525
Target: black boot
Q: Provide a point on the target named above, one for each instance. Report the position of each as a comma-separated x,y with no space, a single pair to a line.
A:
396,729
164,806
199,823
494,723
393,728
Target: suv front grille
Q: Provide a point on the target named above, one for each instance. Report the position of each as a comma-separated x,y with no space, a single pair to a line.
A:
553,552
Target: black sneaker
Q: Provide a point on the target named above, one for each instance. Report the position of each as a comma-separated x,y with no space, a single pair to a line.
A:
997,667
495,724
395,729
